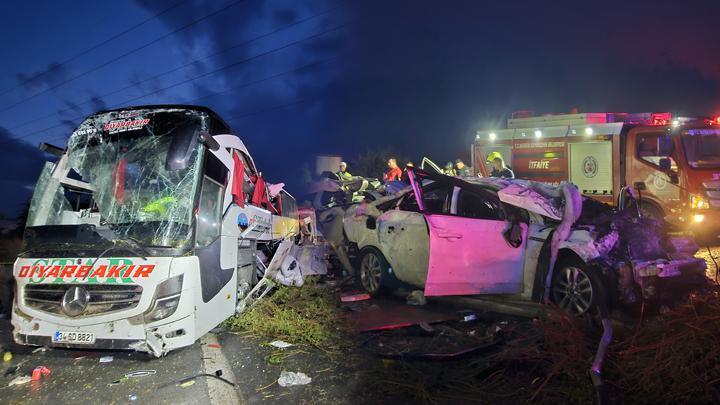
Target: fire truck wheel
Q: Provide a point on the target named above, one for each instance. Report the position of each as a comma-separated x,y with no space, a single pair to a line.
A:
576,289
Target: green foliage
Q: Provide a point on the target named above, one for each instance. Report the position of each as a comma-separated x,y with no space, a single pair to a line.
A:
306,314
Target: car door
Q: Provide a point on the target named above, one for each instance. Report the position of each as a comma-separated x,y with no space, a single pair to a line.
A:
403,234
469,253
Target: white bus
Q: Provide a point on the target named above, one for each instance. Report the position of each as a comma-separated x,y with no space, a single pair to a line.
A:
144,234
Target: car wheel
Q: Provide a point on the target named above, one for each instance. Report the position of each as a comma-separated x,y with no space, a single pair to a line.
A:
373,270
575,289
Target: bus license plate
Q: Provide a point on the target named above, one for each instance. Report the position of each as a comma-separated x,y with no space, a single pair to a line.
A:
84,338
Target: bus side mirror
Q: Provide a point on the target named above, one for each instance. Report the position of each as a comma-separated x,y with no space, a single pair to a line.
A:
182,145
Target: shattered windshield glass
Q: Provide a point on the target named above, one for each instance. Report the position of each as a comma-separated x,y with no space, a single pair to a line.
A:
115,175
702,147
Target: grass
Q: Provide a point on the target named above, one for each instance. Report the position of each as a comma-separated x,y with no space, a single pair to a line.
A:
298,315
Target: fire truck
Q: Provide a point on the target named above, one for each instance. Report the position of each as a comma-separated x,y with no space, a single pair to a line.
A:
673,163
147,232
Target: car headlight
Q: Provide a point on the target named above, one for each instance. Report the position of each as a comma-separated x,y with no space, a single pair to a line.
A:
166,300
699,203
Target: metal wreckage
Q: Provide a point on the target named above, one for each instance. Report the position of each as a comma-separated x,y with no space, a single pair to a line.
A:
512,242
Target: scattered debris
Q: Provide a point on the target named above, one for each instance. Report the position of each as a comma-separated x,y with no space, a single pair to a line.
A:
40,349
426,327
40,372
214,346
280,344
416,297
467,315
7,356
386,314
355,297
187,384
19,380
289,378
106,359
217,375
140,373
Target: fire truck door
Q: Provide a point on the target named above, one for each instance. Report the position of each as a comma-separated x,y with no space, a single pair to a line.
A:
654,165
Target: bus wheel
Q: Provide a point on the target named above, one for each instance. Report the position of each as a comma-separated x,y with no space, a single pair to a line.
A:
373,270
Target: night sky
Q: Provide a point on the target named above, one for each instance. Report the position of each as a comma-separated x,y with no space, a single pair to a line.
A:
296,79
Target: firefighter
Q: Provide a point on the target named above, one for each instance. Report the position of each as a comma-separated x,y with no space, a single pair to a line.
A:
343,174
394,173
500,170
449,169
461,169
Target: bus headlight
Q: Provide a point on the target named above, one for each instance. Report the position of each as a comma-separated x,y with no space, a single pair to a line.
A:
166,300
699,203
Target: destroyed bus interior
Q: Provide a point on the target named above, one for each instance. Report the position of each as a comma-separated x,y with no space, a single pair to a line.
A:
133,173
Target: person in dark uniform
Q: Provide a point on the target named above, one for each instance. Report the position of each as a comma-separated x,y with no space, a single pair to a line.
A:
461,169
500,170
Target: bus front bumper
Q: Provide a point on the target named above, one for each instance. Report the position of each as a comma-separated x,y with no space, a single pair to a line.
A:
156,338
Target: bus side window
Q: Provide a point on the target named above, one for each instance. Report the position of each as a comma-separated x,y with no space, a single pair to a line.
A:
248,185
209,218
288,205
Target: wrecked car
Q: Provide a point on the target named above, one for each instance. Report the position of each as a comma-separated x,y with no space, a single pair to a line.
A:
514,239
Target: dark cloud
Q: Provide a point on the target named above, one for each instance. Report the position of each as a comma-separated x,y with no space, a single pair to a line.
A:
146,83
50,76
20,167
97,104
420,78
284,17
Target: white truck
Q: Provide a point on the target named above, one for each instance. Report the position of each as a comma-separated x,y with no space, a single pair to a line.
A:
146,233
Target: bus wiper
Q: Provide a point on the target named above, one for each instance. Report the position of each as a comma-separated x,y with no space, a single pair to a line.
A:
128,243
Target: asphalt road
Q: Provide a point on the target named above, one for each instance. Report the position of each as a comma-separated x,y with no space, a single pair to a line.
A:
78,375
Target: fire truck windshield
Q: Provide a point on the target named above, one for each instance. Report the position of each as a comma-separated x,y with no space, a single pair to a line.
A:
702,147
115,175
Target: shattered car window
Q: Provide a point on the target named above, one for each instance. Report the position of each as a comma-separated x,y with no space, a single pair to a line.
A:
436,197
480,206
115,175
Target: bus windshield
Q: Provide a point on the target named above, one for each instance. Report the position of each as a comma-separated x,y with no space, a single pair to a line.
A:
114,175
702,147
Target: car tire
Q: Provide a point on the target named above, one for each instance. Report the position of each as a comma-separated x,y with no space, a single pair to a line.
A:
576,289
373,270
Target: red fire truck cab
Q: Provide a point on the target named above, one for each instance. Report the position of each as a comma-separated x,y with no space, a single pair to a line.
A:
674,163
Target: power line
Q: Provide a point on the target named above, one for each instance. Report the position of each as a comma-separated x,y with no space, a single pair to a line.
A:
96,46
272,108
102,65
296,42
224,50
240,62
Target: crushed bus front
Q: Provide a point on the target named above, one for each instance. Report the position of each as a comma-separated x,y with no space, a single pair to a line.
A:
108,303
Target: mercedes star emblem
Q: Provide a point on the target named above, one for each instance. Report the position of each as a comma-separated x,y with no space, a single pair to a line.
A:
75,301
